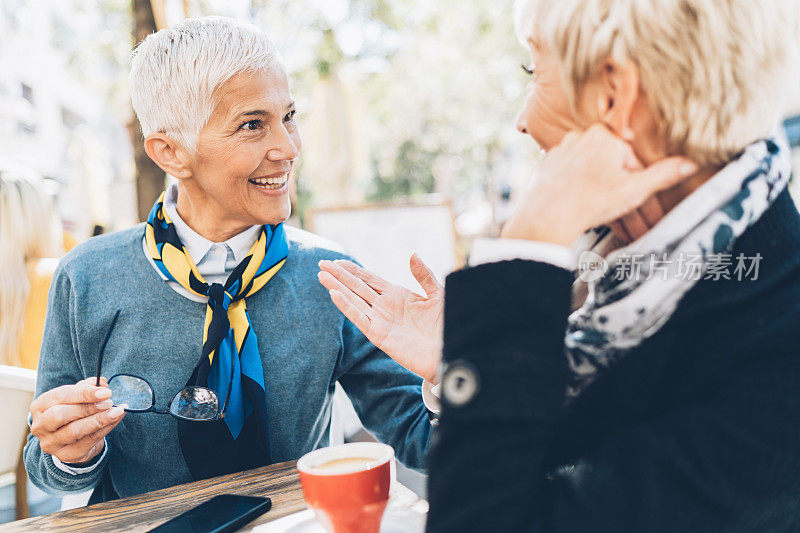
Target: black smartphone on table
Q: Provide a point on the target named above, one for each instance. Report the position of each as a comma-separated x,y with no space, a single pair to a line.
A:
227,512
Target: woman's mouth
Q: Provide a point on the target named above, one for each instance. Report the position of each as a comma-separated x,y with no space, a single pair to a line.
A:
270,184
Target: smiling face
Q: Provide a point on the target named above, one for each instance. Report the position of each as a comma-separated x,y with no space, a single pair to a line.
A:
239,175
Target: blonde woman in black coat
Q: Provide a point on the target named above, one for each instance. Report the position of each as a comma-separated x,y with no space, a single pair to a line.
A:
626,357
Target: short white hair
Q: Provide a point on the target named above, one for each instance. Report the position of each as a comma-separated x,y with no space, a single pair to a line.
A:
175,72
718,74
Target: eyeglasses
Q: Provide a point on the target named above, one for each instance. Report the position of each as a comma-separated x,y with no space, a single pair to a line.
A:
189,403
196,404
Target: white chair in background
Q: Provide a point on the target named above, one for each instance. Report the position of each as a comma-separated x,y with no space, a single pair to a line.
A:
17,386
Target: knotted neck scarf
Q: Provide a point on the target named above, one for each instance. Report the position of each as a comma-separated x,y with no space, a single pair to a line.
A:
623,307
230,363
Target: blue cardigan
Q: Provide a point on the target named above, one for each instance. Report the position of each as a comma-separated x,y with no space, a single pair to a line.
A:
306,346
697,429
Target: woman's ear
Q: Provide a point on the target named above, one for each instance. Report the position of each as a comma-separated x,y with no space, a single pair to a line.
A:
617,95
167,154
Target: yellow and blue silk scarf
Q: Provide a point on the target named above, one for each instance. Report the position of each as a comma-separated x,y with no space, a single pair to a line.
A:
230,363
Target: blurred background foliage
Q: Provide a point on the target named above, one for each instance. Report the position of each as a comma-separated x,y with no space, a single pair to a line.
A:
397,99
438,85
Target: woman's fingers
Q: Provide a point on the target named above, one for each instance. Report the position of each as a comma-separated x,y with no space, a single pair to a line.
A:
641,186
85,427
74,413
373,280
85,443
352,312
590,178
59,416
333,284
86,448
82,392
662,175
351,281
424,276
349,303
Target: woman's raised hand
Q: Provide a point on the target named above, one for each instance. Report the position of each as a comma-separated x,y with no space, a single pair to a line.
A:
590,179
405,325
71,421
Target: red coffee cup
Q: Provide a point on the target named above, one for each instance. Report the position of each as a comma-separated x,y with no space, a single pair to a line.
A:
348,485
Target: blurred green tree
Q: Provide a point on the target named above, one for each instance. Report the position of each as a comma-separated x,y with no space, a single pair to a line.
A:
441,82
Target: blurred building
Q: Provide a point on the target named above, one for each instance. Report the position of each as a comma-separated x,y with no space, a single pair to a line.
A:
55,122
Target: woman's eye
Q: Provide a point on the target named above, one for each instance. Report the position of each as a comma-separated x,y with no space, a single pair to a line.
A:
251,125
290,115
529,69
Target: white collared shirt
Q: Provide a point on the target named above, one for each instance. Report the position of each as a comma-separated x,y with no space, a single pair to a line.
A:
214,260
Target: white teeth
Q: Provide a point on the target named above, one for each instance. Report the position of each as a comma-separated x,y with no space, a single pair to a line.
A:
271,181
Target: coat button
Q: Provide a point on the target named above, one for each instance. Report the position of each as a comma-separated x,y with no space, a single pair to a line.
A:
460,383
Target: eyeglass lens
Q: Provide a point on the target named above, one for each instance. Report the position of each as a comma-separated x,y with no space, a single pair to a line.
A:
191,403
133,391
195,403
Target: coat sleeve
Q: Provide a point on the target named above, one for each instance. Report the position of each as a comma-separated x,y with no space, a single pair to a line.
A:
699,467
58,365
386,396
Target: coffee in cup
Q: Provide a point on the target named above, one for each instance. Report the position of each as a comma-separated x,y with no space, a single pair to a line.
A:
348,485
348,464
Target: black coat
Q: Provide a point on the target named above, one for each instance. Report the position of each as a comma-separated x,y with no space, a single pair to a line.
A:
698,429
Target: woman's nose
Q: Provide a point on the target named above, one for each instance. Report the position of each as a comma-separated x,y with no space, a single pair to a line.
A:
284,149
521,126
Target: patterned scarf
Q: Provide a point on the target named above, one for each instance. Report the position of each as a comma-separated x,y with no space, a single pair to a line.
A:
636,289
230,364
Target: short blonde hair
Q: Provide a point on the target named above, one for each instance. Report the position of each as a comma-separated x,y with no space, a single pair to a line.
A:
718,74
175,72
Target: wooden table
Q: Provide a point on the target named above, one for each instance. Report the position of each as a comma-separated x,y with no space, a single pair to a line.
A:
146,511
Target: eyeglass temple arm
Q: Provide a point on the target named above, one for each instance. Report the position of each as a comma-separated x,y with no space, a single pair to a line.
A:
103,346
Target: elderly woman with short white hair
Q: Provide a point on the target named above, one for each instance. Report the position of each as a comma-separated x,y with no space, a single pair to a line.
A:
220,323
655,388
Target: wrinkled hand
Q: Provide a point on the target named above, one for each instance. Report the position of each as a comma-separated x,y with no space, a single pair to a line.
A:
405,325
71,421
588,180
